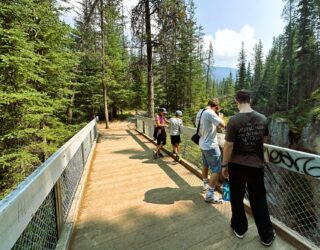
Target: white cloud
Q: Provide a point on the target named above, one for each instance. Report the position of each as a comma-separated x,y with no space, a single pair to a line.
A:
227,45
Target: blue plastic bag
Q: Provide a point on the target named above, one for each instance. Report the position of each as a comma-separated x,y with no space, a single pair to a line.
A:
226,191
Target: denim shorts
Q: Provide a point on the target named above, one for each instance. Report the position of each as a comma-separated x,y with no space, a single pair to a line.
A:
212,159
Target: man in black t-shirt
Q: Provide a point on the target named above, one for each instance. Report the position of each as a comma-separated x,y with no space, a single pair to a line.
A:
243,165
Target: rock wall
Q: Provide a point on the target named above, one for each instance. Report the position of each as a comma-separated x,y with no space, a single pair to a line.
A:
279,132
310,137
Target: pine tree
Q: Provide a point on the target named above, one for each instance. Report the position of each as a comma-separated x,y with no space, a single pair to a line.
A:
241,75
258,68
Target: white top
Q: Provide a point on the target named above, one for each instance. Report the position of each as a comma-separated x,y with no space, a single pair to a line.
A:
208,129
175,125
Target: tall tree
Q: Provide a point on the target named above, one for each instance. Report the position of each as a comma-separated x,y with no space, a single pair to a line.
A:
104,86
241,75
258,67
210,62
141,17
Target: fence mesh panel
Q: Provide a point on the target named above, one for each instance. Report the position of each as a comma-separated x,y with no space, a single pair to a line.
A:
293,198
69,181
41,232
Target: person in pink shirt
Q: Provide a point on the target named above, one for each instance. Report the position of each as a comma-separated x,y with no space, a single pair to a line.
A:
160,132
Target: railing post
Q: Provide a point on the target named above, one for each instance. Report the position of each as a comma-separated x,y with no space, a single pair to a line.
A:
59,206
143,128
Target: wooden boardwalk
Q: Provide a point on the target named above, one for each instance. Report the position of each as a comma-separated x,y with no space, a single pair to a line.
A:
132,201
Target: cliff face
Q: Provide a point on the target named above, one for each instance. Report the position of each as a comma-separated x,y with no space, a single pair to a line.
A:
308,141
279,133
310,137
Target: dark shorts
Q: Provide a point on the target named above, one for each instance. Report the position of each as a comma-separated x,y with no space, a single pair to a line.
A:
161,139
175,139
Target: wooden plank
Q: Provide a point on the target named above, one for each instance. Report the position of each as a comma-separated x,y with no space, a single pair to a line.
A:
18,208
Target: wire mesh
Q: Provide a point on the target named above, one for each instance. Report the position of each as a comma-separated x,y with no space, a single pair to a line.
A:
293,198
69,181
41,232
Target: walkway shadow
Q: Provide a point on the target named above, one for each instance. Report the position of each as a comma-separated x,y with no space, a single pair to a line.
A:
195,225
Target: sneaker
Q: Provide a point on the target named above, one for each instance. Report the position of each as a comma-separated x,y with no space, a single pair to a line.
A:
239,236
205,187
268,243
212,199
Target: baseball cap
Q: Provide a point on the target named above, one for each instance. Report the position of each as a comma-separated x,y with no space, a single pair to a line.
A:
179,113
162,110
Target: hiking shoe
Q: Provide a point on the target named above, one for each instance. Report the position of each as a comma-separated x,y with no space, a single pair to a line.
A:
268,243
205,187
212,199
239,236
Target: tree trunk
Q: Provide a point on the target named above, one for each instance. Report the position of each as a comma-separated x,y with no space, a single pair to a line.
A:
105,94
149,61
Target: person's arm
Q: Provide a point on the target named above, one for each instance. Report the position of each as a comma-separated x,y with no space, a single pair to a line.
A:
228,148
227,152
217,120
222,123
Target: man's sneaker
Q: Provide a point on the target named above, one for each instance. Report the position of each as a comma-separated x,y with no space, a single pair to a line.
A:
212,199
155,156
268,243
239,236
205,187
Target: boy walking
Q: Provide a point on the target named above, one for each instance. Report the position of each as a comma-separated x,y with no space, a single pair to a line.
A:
175,124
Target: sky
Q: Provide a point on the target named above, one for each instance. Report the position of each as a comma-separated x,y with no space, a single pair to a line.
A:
226,23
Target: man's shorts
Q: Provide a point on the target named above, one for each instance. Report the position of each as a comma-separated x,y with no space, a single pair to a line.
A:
161,139
212,159
175,139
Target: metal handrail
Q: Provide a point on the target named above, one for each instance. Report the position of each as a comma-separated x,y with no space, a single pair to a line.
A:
293,160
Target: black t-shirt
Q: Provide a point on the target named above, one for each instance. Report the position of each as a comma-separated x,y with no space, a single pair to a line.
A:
246,131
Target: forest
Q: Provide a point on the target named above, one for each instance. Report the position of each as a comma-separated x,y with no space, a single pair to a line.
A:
54,78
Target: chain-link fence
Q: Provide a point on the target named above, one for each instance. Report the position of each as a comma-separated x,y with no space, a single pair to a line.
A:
293,198
42,230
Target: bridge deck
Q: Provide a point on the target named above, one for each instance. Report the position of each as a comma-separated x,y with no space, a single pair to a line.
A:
134,202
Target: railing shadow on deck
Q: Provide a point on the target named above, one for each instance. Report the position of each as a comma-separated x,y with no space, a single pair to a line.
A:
194,226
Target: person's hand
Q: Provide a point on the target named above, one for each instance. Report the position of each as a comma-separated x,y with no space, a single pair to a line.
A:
225,173
221,116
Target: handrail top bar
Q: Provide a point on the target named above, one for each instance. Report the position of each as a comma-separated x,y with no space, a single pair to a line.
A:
18,208
290,159
265,144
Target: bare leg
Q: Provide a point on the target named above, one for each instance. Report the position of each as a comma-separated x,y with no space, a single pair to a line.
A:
213,180
158,149
205,172
177,148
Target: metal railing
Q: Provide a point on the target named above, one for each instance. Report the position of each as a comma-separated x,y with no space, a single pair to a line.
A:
32,216
292,181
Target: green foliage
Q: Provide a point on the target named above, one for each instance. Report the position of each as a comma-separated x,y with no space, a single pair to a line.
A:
36,68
